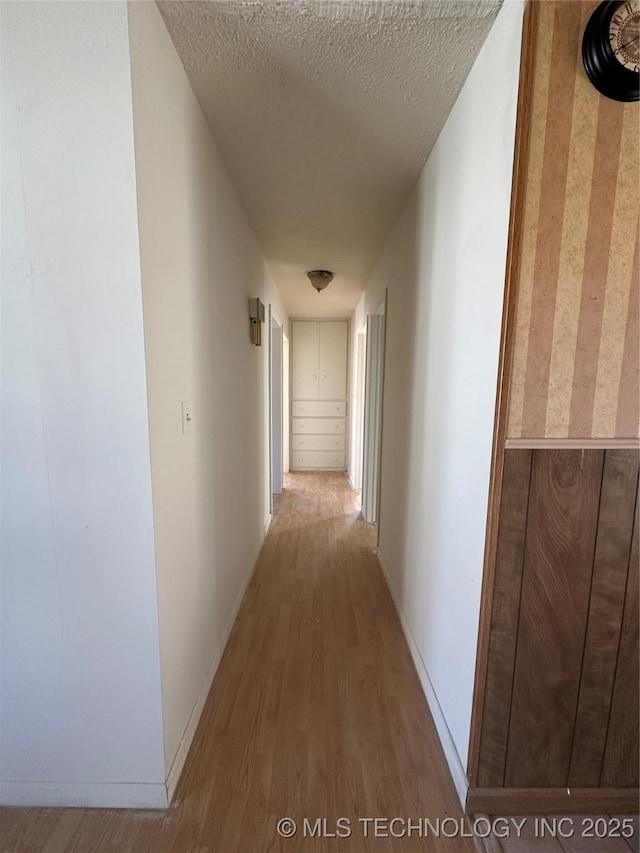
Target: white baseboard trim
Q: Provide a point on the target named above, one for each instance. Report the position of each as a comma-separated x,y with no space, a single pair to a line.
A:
104,795
267,524
177,765
448,746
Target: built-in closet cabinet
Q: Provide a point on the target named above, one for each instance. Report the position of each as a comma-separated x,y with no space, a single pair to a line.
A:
319,360
319,393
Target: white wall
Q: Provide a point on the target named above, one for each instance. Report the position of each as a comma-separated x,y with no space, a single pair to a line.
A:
200,264
80,711
444,266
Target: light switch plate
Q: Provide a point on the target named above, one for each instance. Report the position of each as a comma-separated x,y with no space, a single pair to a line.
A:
187,418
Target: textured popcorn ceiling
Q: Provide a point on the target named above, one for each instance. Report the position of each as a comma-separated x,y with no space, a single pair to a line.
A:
324,113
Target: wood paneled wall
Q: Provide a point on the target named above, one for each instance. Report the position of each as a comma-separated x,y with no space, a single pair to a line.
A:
561,700
555,717
576,358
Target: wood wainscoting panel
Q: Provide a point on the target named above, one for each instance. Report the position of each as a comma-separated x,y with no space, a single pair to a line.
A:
561,532
620,766
561,695
504,616
609,583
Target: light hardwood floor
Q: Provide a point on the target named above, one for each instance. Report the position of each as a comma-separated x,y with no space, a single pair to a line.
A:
316,711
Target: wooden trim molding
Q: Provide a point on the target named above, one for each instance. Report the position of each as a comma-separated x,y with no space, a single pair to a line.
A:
544,801
507,339
572,443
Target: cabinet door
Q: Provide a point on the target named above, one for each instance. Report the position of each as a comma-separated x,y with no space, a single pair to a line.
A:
333,361
304,360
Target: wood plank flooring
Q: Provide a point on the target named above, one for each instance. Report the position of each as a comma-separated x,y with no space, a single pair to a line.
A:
316,711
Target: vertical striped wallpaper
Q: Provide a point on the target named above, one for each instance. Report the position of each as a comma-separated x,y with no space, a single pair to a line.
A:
576,363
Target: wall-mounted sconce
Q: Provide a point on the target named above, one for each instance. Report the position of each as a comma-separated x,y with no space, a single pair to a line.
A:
256,318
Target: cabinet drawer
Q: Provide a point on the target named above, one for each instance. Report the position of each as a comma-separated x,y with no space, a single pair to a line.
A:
318,442
323,426
318,409
317,459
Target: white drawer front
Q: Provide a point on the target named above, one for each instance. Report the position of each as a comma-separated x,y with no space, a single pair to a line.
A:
323,426
317,459
318,442
318,409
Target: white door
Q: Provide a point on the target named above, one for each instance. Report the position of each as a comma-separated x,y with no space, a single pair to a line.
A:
373,416
305,360
333,361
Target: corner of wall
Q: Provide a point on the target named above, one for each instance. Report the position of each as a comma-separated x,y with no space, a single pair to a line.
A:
449,749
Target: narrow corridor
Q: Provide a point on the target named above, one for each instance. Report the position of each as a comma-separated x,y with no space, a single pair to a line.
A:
316,711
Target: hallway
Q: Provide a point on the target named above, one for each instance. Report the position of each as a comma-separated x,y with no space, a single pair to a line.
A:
374,242
316,711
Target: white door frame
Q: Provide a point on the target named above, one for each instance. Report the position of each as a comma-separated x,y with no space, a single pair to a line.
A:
286,403
275,406
372,431
358,414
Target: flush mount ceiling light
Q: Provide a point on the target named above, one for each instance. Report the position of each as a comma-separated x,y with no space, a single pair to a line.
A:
320,279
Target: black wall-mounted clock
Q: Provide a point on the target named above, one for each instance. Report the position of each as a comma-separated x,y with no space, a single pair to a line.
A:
611,50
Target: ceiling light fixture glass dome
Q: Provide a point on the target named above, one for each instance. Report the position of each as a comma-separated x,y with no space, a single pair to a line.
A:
320,279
